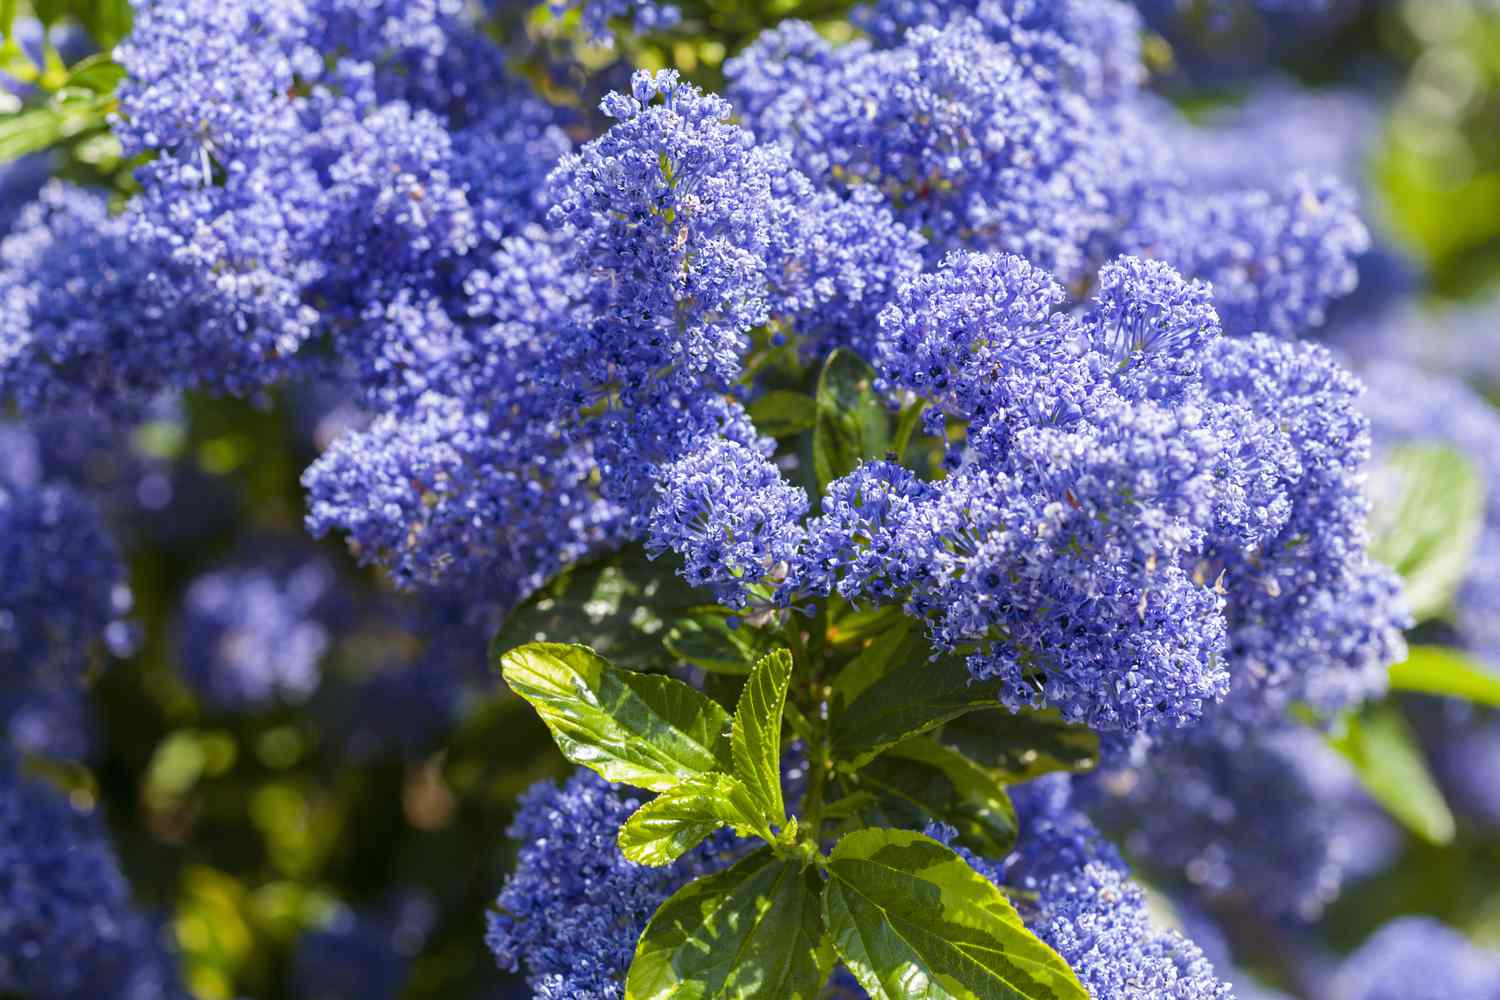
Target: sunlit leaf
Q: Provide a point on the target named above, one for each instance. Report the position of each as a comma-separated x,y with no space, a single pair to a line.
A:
913,921
641,729
751,932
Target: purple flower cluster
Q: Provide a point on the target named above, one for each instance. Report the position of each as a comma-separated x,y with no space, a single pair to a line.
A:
248,636
1081,901
1145,517
1149,511
1271,819
1415,958
62,592
67,928
574,909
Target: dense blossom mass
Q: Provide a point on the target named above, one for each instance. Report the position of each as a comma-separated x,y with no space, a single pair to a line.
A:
67,928
1416,958
575,907
1130,489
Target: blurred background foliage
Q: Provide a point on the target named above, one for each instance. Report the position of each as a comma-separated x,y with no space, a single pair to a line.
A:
334,830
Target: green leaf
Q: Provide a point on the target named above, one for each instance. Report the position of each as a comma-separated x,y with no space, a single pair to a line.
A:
39,128
912,698
913,921
857,626
49,12
756,736
1428,510
1025,745
619,605
850,805
1443,670
98,73
853,424
678,820
782,413
751,932
932,781
704,639
906,426
1384,752
107,21
901,643
640,729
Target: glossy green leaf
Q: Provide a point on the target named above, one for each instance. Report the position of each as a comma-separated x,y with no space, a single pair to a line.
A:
678,820
756,736
645,730
923,780
1443,670
913,921
751,932
704,639
620,605
1428,510
912,698
1020,746
853,422
1390,765
782,413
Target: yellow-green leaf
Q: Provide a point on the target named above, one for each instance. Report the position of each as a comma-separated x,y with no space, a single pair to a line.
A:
913,921
853,424
1443,670
1390,765
751,932
913,697
1428,509
783,413
640,729
1020,746
756,736
678,820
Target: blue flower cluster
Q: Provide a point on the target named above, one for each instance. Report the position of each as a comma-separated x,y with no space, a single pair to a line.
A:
1145,516
364,954
67,928
249,636
574,909
1271,820
62,592
1416,958
1149,511
967,140
1079,899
